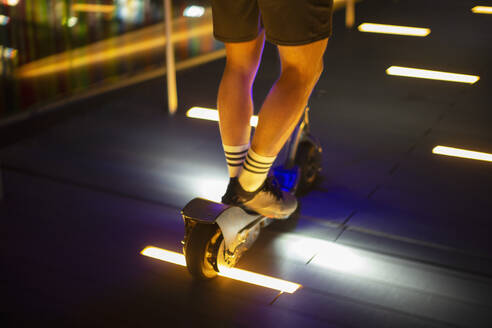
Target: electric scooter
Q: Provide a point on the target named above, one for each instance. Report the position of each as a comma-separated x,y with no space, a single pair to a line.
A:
217,235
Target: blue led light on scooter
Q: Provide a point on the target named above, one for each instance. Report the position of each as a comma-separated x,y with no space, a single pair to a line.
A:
286,177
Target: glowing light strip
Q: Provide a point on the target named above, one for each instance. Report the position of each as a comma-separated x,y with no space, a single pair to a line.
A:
232,273
213,115
433,75
393,29
164,255
85,7
462,153
259,280
104,51
482,10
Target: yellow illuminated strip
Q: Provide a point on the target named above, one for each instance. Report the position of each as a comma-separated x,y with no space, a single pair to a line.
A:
164,255
85,7
393,29
105,51
232,273
463,153
98,57
482,10
433,75
213,115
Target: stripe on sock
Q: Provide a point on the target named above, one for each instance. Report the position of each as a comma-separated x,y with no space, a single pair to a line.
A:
255,170
258,162
247,163
240,153
235,156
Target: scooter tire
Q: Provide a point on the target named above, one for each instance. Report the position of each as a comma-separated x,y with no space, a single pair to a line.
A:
198,248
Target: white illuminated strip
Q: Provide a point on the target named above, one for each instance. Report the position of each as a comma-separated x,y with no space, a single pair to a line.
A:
253,121
462,153
482,10
259,280
326,254
393,29
433,75
212,115
350,261
232,273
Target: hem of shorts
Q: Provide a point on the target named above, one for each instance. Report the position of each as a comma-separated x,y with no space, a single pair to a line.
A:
233,40
298,43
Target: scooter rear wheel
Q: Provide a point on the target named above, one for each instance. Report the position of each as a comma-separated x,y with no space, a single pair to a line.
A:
200,251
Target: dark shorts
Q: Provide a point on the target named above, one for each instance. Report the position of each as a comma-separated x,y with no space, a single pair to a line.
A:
286,22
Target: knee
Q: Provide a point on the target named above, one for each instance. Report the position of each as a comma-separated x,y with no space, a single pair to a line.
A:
243,70
303,74
245,65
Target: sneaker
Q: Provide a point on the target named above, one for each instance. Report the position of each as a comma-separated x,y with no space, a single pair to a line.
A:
269,200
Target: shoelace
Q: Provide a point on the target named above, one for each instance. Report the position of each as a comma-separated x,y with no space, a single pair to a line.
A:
272,186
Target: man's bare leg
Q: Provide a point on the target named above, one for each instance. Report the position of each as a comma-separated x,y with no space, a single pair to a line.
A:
282,109
234,101
284,105
301,67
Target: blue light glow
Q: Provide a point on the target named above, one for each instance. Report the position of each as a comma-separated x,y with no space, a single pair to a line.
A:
287,178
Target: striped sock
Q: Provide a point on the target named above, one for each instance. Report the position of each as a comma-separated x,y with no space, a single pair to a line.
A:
235,156
255,170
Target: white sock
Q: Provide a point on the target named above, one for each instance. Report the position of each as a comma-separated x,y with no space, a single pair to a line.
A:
235,156
255,170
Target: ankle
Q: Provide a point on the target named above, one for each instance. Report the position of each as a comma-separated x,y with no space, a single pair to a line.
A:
255,170
235,156
249,188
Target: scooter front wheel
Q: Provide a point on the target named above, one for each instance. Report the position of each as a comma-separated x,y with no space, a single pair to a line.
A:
201,250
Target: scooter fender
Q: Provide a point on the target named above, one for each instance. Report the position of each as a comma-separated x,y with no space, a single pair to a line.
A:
203,210
233,221
230,219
